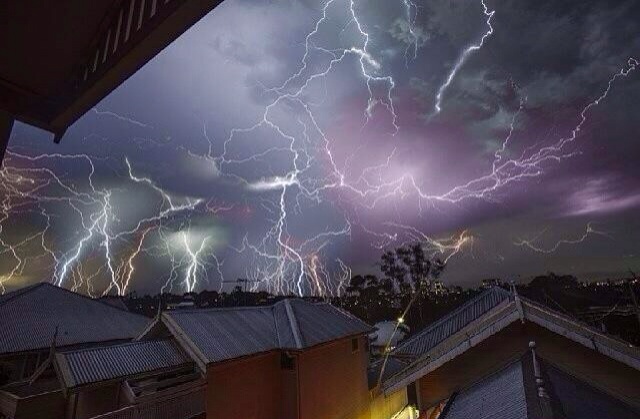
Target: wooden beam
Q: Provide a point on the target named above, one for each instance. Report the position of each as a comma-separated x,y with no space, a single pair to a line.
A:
6,126
145,35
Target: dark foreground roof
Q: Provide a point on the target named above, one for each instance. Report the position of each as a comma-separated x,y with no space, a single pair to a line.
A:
453,322
227,333
29,317
511,393
66,55
87,366
499,396
485,315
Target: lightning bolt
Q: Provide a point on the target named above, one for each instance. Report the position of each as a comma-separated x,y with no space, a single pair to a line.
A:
280,258
466,53
531,243
413,45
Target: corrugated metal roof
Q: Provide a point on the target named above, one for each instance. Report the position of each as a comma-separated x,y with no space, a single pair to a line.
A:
221,334
322,322
503,395
499,396
453,322
28,319
227,333
93,365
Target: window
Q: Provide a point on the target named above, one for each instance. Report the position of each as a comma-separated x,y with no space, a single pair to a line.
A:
287,362
355,345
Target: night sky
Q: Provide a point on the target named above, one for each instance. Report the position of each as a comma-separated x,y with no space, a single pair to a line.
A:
292,141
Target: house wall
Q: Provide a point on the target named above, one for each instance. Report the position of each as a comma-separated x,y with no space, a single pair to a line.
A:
49,405
248,388
600,371
385,407
93,402
333,381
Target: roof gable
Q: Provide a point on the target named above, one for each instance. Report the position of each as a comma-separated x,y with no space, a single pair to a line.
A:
29,318
467,326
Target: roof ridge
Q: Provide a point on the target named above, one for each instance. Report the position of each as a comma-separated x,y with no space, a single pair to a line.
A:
30,288
5,298
453,313
120,345
579,322
293,322
211,309
346,313
93,299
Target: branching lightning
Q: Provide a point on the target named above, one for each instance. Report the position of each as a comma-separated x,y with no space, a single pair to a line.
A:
532,243
462,59
103,253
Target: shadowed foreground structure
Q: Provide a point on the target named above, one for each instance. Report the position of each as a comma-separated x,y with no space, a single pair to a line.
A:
87,48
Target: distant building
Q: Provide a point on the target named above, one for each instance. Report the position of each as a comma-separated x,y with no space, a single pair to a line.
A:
477,362
490,283
386,335
439,288
186,302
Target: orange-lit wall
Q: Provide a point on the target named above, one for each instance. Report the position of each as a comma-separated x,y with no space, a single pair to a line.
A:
333,381
330,381
248,388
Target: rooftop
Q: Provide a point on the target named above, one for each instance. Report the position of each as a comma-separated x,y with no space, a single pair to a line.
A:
453,322
292,324
29,318
92,365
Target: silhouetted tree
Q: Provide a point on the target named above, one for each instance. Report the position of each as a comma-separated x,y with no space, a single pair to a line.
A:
411,261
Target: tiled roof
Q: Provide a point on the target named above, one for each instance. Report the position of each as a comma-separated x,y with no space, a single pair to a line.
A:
499,396
227,333
29,317
452,323
86,366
